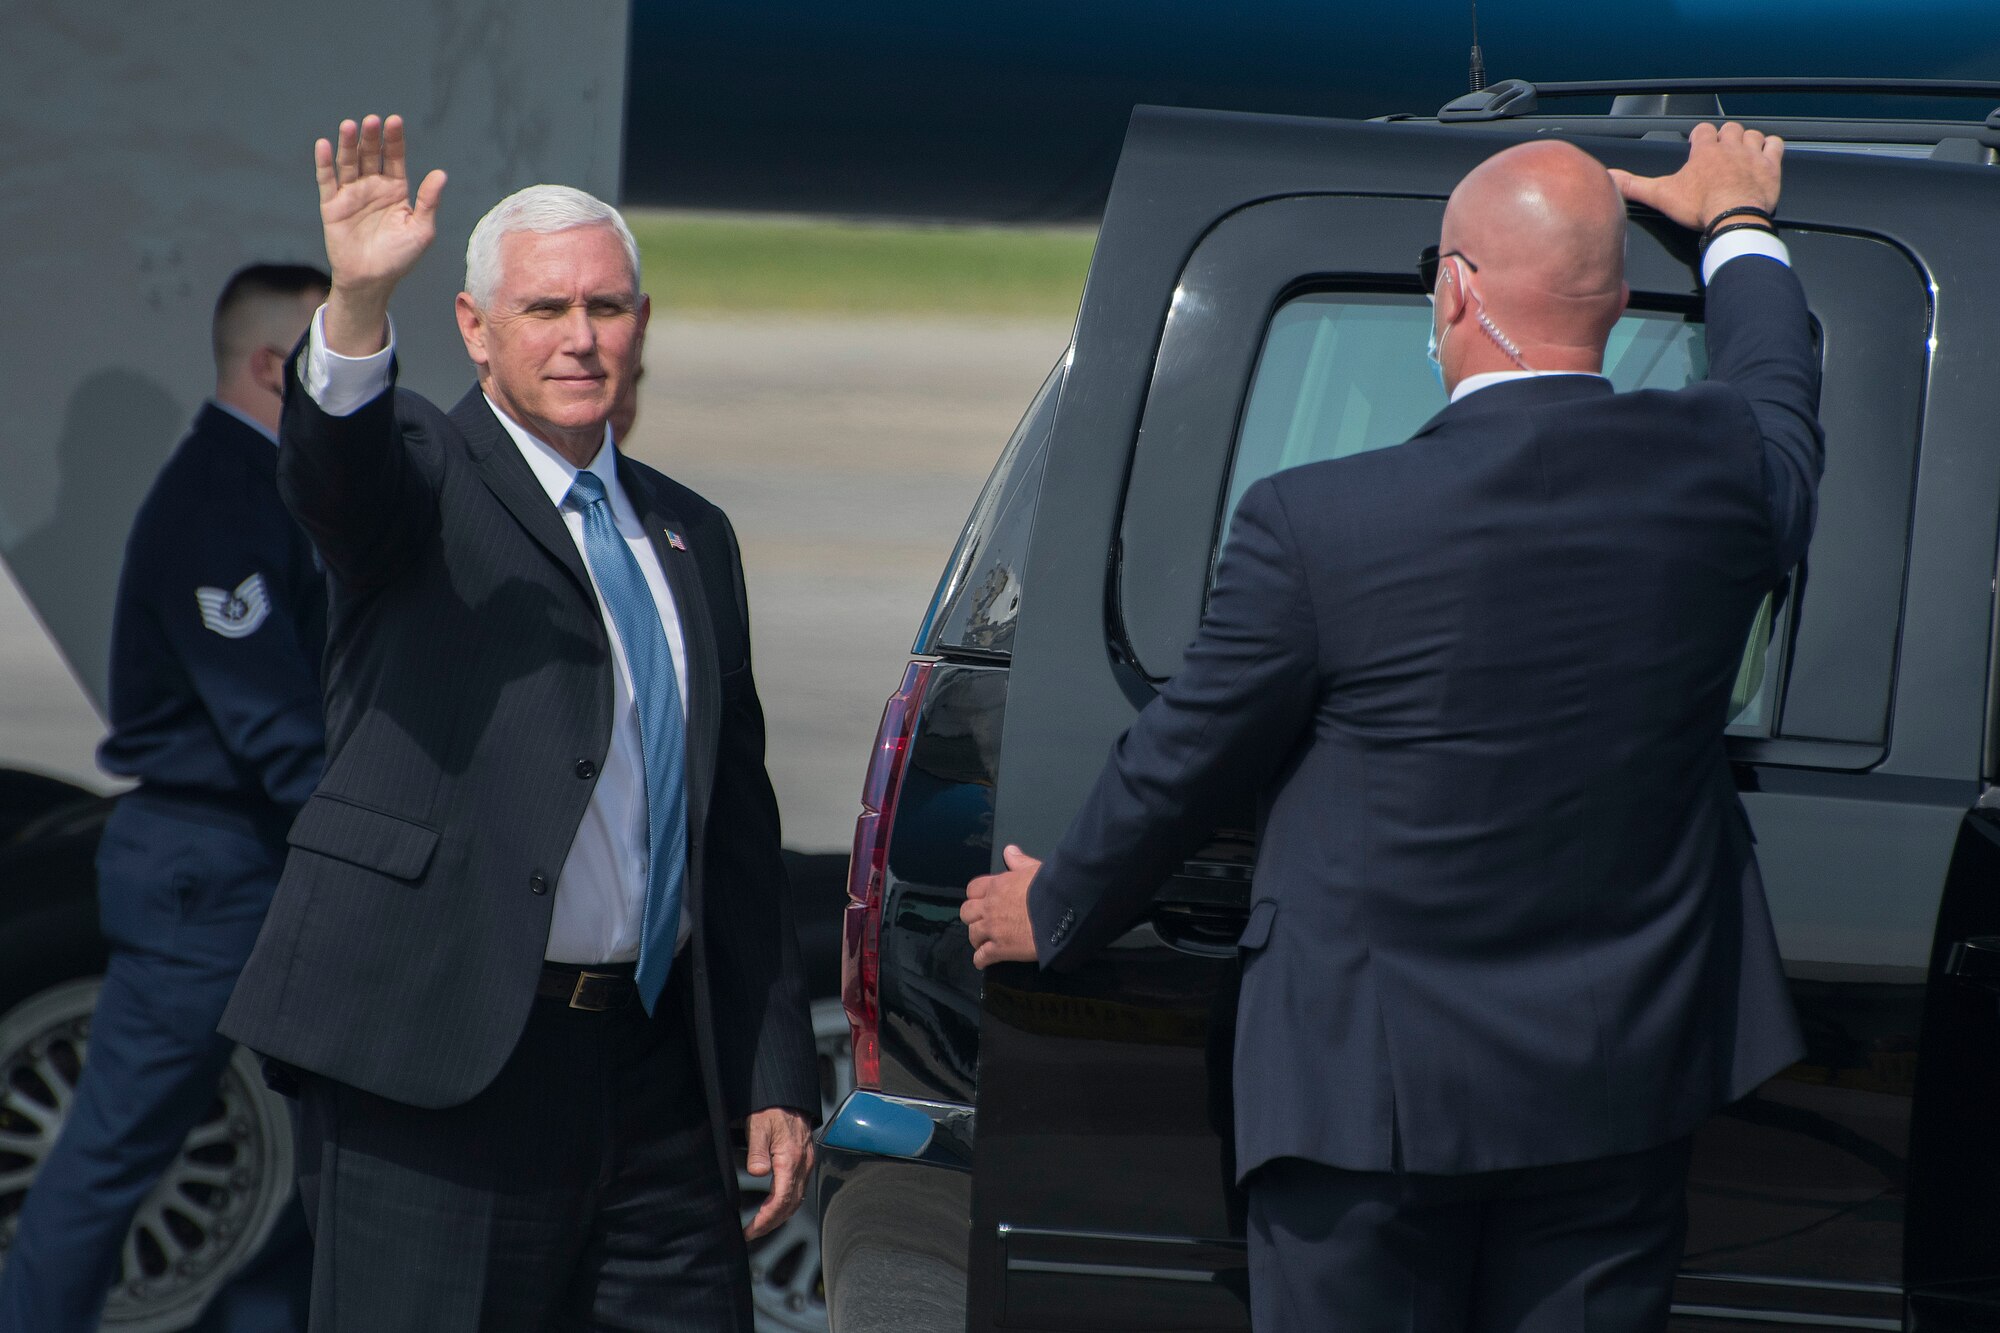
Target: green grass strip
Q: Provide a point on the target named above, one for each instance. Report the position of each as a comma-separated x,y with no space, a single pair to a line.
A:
730,264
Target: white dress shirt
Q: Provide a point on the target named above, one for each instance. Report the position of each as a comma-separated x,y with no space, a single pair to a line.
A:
1747,241
601,892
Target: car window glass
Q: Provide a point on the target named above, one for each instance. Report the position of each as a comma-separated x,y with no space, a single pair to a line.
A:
978,597
1345,372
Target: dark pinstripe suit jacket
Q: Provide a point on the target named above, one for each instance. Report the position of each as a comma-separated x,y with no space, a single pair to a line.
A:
1507,912
468,678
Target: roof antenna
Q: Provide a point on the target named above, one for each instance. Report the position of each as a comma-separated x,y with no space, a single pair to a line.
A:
1478,57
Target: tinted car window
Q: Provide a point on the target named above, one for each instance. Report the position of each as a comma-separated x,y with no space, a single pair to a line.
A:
1345,372
1342,373
979,596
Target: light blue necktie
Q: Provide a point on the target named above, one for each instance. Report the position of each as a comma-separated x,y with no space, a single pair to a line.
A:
662,728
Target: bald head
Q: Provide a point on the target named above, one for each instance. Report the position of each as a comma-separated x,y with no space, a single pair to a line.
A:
1546,227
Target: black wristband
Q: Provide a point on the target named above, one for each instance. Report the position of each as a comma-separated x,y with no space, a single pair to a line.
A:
1720,232
1742,210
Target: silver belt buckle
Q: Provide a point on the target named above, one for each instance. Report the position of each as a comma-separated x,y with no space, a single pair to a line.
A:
594,1002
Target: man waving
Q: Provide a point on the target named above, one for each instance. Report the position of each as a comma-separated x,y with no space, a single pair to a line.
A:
532,954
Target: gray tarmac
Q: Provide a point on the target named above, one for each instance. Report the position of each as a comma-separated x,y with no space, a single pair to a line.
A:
847,452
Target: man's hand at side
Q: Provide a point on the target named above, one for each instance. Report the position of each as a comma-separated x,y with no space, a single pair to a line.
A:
1726,168
781,1148
375,233
996,912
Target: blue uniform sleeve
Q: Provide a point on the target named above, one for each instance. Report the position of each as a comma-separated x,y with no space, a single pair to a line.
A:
229,608
1239,704
1760,343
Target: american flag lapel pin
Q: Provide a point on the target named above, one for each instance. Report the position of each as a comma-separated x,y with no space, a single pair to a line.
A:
674,540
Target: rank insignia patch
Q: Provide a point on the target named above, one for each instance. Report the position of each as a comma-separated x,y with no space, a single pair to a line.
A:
237,614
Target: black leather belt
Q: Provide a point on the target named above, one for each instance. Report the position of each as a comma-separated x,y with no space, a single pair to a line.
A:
597,989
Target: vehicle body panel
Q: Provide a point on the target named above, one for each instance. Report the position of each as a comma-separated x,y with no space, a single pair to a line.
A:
1953,1258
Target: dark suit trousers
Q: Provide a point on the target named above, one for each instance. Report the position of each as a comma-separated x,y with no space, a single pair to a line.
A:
580,1190
1587,1247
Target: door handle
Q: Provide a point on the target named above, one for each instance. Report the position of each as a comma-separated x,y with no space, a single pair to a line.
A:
1976,962
1201,928
1203,913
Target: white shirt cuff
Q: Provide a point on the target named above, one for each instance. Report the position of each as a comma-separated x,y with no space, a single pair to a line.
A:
343,385
1736,244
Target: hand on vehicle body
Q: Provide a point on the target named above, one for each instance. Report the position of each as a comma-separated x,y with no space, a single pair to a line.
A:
1727,167
996,912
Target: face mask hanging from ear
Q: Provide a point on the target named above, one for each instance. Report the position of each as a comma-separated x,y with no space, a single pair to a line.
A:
1492,330
1436,348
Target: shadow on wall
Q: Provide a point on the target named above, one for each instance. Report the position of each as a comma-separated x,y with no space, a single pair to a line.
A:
118,429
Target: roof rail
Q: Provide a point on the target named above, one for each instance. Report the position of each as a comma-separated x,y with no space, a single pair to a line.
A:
1702,106
1518,97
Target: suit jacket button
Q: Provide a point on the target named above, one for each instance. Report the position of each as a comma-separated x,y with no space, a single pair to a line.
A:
538,882
585,769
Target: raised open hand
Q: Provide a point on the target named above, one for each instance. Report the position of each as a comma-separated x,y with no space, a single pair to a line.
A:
1726,168
375,232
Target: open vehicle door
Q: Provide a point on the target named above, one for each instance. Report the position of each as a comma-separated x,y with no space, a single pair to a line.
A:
1253,305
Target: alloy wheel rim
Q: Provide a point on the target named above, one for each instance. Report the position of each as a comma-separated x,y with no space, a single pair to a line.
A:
212,1209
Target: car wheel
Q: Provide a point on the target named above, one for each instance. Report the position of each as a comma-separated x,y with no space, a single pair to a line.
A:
786,1285
211,1211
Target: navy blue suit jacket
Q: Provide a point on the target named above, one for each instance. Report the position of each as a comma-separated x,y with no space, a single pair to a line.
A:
1506,911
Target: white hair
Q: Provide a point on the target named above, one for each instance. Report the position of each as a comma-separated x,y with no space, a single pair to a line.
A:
539,208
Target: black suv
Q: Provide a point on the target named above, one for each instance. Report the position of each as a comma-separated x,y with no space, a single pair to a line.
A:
1052,1152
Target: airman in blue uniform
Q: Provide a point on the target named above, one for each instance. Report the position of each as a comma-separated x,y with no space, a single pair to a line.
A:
215,710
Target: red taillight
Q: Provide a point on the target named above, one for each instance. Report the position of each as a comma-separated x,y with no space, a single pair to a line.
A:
861,936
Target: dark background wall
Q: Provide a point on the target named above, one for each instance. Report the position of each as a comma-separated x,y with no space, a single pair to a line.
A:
1013,110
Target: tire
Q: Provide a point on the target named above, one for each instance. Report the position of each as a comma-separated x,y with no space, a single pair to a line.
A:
211,1211
787,1288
